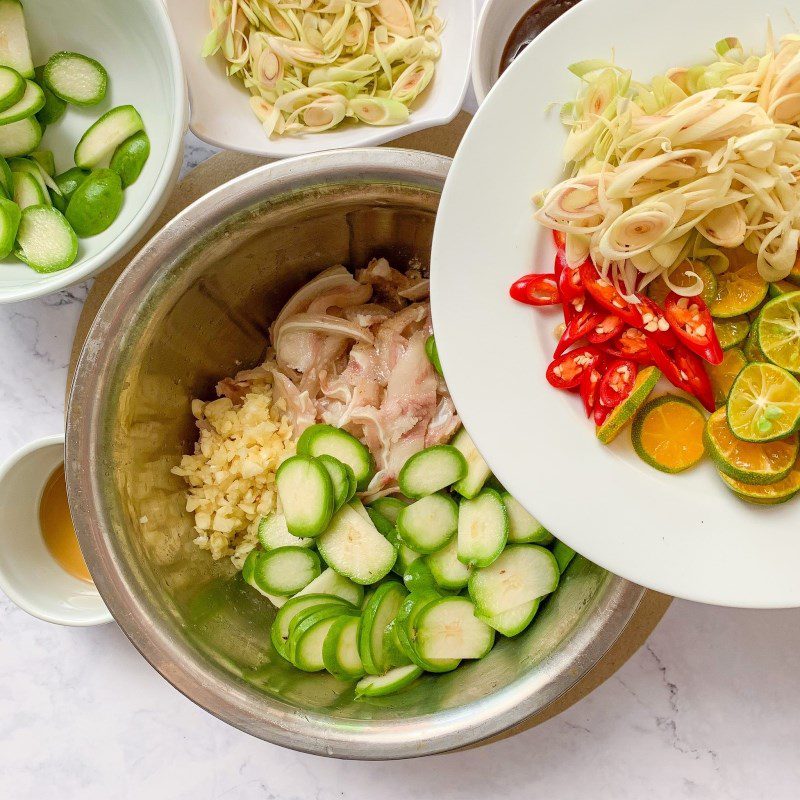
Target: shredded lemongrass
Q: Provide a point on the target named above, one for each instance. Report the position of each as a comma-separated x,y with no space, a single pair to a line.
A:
701,159
311,64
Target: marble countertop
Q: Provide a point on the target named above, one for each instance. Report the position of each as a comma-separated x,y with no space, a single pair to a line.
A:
708,709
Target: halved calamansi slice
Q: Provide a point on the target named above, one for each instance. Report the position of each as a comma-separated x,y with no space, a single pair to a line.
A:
768,494
731,332
748,462
667,433
764,403
622,414
739,290
723,375
778,331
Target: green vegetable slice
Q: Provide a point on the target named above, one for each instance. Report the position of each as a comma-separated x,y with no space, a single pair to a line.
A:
778,331
76,78
45,241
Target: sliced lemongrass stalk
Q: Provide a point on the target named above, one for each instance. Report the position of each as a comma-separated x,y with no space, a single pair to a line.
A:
412,81
378,110
725,226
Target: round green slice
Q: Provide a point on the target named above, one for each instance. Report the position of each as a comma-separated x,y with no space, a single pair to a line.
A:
623,413
732,332
12,87
764,403
45,241
778,331
95,203
767,494
667,434
129,158
749,462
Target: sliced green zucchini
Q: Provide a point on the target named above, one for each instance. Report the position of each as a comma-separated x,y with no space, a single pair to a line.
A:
27,106
394,655
522,574
383,525
45,241
563,554
248,570
279,632
431,470
388,507
6,182
393,681
406,629
274,533
305,492
515,620
100,141
10,216
96,203
433,354
307,637
359,508
448,628
428,524
381,609
477,469
67,182
331,582
286,570
340,649
130,157
46,160
20,138
482,529
15,50
405,555
76,78
54,107
325,439
419,578
448,572
522,526
340,480
28,191
353,547
12,87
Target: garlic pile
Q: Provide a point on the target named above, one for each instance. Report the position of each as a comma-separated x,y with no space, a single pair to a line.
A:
310,64
699,159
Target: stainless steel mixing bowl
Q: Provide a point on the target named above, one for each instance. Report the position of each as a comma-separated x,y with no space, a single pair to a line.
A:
194,306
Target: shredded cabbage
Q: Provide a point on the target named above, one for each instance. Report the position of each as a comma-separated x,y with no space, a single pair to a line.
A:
311,64
701,159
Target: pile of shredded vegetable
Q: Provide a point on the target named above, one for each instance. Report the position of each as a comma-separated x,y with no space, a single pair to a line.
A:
311,64
701,158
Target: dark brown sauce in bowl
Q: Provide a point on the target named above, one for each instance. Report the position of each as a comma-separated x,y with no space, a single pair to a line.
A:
533,22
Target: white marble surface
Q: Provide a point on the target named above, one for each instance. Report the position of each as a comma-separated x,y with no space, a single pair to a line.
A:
708,709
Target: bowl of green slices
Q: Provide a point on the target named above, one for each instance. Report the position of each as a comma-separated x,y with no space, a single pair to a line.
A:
92,117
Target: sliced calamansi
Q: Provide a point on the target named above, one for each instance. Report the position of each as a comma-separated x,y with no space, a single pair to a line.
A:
778,331
748,462
723,375
764,403
739,290
667,433
621,415
658,289
731,332
766,494
777,288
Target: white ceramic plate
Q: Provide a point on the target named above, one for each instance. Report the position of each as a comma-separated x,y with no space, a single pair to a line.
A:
685,535
221,115
134,41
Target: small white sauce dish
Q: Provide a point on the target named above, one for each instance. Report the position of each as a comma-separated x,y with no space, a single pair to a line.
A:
29,575
220,109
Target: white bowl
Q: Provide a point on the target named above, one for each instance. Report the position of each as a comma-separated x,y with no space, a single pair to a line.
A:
29,575
221,115
496,23
686,535
133,39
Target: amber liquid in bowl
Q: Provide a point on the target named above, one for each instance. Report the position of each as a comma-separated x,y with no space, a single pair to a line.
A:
57,529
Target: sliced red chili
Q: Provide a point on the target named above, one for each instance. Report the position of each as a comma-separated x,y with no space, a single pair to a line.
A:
569,283
693,325
654,322
536,289
631,344
577,328
589,385
607,327
601,414
607,296
617,382
566,372
682,368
